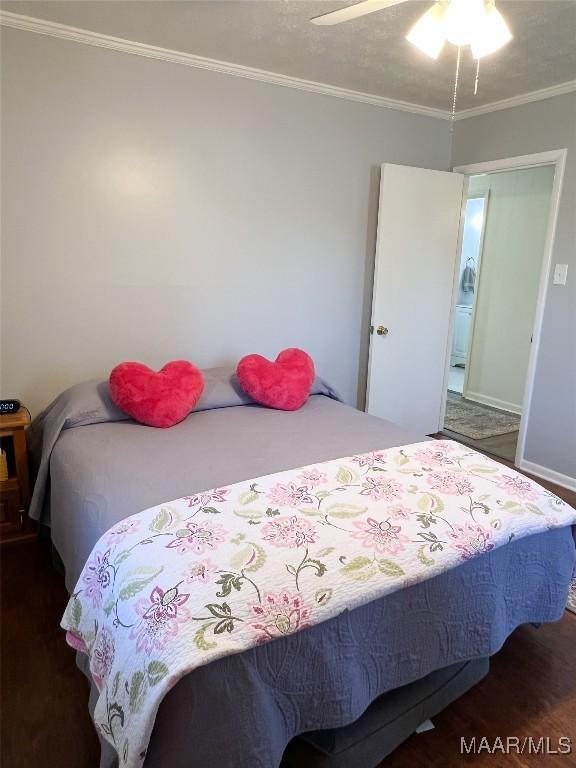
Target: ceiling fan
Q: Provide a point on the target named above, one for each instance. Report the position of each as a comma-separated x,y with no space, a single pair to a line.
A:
477,23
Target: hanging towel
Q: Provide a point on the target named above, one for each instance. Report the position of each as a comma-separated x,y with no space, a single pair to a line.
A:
468,279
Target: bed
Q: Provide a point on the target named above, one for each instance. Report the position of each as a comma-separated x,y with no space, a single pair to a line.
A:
95,467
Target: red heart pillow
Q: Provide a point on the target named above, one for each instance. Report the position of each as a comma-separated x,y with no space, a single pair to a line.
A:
156,398
284,384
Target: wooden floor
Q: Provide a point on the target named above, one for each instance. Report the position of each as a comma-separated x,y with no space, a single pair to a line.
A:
501,446
530,691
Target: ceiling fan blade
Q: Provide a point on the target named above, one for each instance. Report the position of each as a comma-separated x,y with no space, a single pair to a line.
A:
353,11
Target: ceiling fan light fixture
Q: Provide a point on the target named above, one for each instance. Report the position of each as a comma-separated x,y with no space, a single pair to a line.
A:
462,19
429,32
491,34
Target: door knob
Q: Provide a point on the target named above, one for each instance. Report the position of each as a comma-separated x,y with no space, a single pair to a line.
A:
382,331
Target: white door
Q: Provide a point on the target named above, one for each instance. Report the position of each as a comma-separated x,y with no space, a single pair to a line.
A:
416,258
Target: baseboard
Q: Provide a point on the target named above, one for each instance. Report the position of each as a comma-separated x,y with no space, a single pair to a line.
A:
548,474
493,402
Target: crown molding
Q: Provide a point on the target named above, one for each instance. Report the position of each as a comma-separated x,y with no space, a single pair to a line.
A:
516,101
77,35
74,34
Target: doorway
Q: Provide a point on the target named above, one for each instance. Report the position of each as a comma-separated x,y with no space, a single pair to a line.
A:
503,247
416,282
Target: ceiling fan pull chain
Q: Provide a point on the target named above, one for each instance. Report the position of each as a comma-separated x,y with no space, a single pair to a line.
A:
456,79
477,77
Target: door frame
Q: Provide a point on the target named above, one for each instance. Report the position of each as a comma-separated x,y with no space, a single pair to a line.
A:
486,197
557,158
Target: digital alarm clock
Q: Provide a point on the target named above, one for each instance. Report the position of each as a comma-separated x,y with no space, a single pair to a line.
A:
9,406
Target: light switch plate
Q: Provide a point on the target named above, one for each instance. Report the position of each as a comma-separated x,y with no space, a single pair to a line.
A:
560,274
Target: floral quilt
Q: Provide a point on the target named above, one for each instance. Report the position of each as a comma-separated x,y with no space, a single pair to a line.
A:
179,585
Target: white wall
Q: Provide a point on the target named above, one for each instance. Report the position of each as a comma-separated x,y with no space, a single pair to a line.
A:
153,211
507,287
537,127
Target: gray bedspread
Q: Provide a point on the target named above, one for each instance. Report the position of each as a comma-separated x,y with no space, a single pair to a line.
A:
104,471
89,403
240,711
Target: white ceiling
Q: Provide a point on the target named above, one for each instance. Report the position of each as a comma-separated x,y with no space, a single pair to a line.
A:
369,54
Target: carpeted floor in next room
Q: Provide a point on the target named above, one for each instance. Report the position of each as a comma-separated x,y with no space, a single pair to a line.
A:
476,420
530,690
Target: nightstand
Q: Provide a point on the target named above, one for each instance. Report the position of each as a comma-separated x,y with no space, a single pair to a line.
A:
15,524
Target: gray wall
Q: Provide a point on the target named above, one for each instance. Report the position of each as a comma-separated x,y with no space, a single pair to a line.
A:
153,211
537,127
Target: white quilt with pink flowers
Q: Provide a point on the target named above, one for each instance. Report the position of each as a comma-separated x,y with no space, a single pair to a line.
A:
215,573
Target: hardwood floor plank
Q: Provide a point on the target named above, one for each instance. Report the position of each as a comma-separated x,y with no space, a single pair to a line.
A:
44,717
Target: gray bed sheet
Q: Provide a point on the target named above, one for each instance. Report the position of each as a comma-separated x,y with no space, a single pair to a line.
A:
241,711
